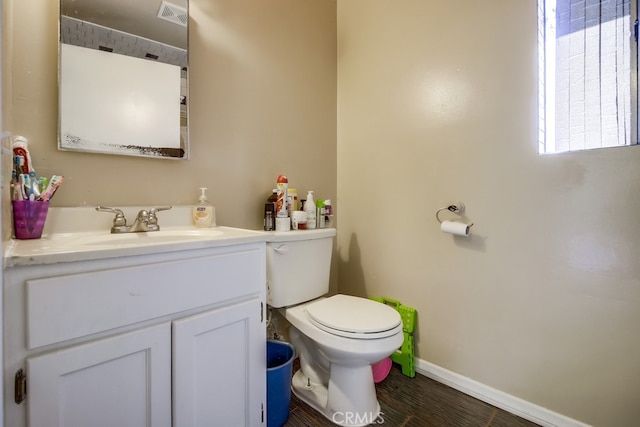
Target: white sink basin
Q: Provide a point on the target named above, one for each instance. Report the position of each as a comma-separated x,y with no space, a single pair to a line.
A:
106,240
148,238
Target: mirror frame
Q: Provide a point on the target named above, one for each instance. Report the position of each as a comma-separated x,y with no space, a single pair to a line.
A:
152,54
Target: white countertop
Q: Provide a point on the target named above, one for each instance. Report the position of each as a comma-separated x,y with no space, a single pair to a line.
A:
82,233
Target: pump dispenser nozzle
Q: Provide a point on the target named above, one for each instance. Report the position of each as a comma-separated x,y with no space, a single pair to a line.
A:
203,195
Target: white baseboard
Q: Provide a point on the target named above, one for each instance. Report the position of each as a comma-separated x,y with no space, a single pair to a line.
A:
497,398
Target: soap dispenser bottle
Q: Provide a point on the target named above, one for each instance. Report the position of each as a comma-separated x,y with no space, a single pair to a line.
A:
204,214
310,209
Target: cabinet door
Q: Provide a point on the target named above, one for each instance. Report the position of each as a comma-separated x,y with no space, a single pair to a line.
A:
123,380
219,368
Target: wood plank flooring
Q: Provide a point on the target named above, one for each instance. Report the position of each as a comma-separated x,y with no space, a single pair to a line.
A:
417,402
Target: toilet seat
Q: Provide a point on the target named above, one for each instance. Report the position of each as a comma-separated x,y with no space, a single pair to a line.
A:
354,317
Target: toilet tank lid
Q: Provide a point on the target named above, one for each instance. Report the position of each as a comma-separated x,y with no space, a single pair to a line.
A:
295,235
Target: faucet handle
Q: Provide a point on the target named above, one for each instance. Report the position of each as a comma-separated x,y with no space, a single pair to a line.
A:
153,211
119,220
152,223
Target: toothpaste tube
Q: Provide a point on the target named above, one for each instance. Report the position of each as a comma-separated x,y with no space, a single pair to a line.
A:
21,154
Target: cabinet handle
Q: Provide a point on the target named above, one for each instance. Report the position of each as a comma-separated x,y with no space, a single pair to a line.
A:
282,249
20,387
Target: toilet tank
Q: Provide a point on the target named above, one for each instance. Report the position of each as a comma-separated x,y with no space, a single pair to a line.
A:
298,265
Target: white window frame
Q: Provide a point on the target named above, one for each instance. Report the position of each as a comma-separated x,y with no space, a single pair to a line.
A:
547,74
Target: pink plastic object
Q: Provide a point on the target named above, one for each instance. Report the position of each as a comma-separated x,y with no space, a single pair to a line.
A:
381,369
28,218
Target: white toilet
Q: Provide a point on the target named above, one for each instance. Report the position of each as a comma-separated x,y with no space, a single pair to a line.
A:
338,338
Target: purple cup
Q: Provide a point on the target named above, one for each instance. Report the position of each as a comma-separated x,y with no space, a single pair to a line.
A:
28,218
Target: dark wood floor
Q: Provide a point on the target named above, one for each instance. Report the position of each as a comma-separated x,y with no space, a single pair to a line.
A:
418,402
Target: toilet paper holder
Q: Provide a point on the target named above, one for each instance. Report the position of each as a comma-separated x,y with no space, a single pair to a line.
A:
456,208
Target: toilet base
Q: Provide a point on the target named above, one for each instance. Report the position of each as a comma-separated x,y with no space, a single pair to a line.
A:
352,403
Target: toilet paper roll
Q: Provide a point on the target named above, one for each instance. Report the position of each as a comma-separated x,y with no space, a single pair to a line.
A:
455,228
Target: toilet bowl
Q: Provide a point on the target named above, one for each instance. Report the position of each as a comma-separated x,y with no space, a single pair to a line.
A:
337,337
335,375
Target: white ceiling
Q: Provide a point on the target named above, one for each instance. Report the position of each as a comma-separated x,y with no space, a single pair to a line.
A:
139,17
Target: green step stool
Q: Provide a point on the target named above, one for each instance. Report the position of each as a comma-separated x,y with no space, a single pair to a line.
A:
405,355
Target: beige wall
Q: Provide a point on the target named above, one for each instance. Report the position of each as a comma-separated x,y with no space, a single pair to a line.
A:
263,103
437,103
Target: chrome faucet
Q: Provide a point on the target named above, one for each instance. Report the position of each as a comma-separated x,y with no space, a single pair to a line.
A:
145,220
141,223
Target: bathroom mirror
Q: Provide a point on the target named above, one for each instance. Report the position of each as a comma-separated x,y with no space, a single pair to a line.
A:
123,77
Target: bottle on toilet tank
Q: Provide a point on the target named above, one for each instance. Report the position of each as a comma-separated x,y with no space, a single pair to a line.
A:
270,209
282,185
320,214
328,211
269,216
292,200
273,199
310,209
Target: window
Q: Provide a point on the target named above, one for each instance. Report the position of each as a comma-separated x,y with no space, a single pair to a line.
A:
587,95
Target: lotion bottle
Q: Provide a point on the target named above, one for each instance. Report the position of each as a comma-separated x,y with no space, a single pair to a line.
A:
310,209
204,214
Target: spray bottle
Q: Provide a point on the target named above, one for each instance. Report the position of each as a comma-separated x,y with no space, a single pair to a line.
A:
282,185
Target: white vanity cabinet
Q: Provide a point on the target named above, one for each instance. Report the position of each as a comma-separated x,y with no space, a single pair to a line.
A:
163,339
124,380
212,358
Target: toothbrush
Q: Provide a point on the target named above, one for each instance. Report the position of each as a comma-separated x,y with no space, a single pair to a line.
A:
19,161
32,182
54,183
21,184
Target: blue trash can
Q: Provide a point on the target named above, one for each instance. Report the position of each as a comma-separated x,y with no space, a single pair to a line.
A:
280,357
